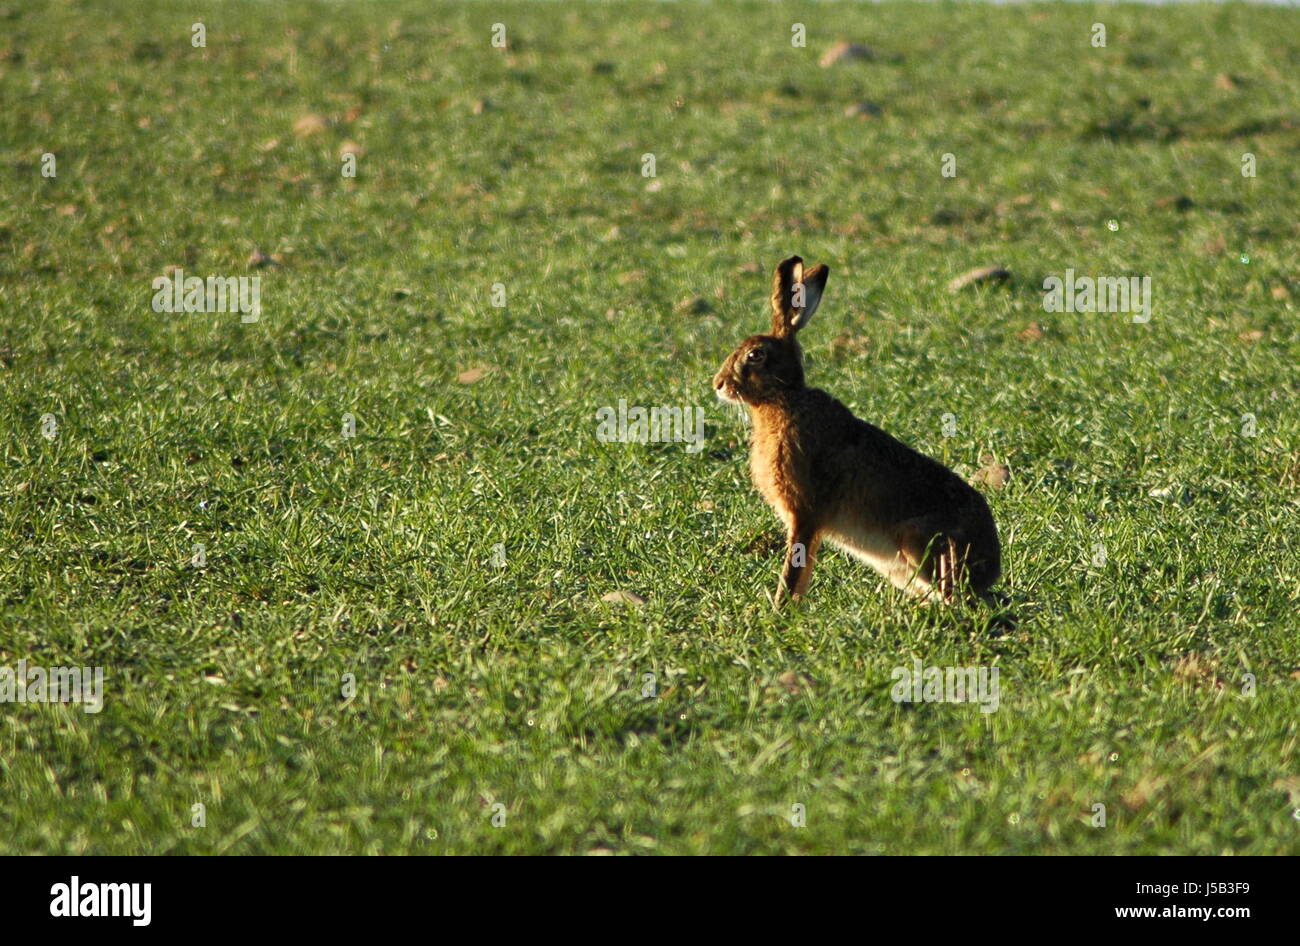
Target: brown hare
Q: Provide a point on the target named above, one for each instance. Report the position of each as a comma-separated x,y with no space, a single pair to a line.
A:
829,475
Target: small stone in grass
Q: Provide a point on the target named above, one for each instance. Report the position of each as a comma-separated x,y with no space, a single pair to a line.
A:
992,474
695,305
793,682
847,344
981,274
846,52
1290,783
1214,246
862,110
308,125
470,376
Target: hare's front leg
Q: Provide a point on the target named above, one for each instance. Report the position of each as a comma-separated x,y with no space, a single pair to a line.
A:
801,548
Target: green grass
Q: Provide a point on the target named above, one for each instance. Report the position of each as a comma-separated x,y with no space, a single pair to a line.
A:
477,685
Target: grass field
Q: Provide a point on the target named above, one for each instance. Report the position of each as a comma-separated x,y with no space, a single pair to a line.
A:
1150,548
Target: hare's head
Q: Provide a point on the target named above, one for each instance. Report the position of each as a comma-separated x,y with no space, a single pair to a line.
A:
765,366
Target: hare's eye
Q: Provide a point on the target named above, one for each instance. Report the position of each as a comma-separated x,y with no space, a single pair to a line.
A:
754,355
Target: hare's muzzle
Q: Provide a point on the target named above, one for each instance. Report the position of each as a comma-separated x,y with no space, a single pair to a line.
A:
722,386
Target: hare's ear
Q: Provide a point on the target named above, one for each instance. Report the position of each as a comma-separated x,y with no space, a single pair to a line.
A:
813,282
795,295
783,281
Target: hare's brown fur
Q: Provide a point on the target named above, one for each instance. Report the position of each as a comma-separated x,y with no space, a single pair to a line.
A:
829,475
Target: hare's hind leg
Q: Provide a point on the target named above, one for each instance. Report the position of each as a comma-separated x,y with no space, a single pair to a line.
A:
948,568
935,566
